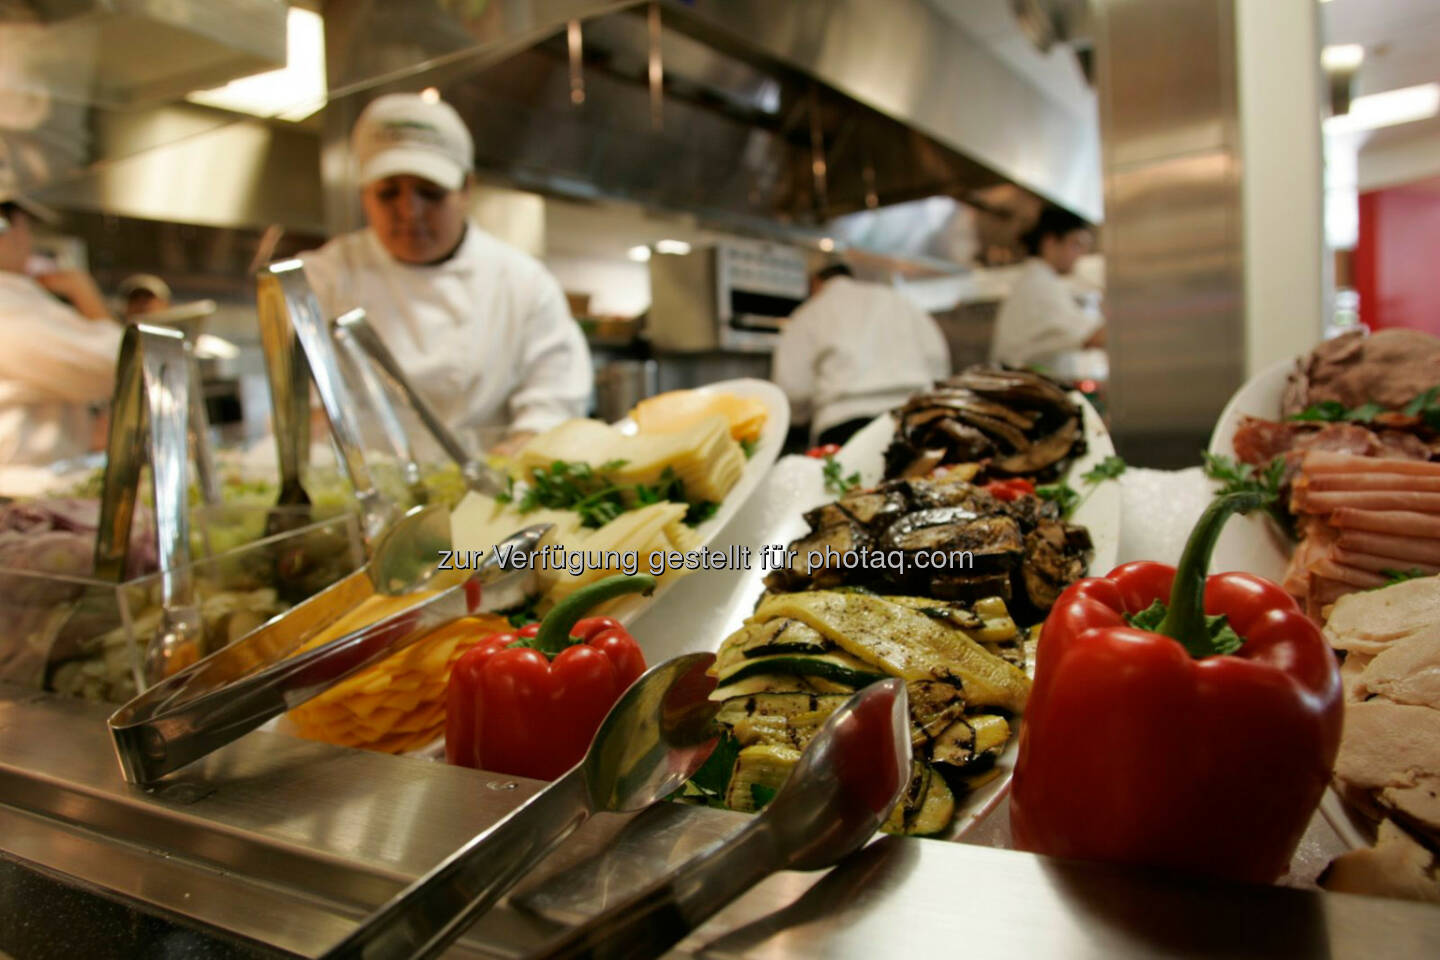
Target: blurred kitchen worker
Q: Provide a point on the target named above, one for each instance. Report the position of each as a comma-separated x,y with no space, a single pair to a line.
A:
143,293
1040,324
853,351
60,346
482,329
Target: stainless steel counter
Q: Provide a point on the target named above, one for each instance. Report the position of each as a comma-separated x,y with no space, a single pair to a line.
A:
288,843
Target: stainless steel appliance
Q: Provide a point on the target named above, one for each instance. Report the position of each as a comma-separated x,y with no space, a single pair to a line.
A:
733,296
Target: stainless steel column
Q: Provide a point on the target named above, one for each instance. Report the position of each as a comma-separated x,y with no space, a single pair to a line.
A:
1173,234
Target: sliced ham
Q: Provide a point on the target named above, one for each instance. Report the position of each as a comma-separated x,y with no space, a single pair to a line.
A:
1379,564
1325,461
1406,550
1312,502
1370,480
1350,576
1402,523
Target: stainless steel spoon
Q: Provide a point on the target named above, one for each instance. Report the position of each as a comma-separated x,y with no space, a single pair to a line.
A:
845,785
654,738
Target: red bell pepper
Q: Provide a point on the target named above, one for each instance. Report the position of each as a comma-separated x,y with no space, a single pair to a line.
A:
823,451
1158,736
529,703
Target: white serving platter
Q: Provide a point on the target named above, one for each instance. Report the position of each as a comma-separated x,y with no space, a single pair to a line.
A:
700,611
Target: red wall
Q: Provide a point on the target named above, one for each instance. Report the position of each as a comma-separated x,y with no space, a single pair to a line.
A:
1397,259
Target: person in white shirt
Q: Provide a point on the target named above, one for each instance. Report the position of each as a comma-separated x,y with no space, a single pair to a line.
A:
1040,324
482,329
853,351
58,361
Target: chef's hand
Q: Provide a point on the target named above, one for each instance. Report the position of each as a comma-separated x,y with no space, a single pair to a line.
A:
79,288
512,443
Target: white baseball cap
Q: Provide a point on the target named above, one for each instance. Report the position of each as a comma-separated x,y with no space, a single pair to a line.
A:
406,133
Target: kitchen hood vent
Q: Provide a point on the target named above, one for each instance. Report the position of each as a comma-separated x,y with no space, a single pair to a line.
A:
119,54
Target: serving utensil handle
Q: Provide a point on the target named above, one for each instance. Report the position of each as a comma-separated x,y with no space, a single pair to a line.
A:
650,922
477,473
433,911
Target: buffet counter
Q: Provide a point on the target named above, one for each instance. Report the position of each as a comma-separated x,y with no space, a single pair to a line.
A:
289,842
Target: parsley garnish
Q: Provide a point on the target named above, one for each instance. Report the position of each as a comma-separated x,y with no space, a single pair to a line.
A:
525,614
1237,477
747,447
1426,407
1068,499
835,481
1061,494
1222,635
761,794
1394,576
713,777
1108,469
1333,411
597,497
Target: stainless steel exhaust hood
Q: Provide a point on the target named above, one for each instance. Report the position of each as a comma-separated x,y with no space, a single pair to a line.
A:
771,115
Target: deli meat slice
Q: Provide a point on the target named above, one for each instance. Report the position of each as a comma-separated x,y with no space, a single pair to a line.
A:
1312,502
1393,749
1370,622
1324,461
1406,550
1350,576
1407,672
1376,480
1379,564
1400,523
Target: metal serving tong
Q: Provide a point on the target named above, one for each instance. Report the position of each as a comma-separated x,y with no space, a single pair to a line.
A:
157,409
240,687
290,315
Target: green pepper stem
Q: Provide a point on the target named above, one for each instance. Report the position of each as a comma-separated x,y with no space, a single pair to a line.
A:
1185,619
554,633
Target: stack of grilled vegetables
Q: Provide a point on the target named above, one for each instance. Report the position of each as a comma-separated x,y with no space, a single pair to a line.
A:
1021,549
1020,422
802,654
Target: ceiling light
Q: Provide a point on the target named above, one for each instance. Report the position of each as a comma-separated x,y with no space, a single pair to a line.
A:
430,95
677,247
638,254
1387,109
1342,56
293,92
826,244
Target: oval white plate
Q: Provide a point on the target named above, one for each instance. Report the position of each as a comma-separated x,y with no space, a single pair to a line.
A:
1252,544
700,611
767,449
1255,545
865,453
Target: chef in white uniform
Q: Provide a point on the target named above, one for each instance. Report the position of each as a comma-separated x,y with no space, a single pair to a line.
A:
853,351
482,329
57,362
1041,324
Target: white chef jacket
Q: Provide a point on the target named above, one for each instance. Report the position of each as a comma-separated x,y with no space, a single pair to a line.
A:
856,350
54,365
486,336
1040,324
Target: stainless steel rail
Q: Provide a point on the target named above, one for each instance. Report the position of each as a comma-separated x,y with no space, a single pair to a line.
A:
290,842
